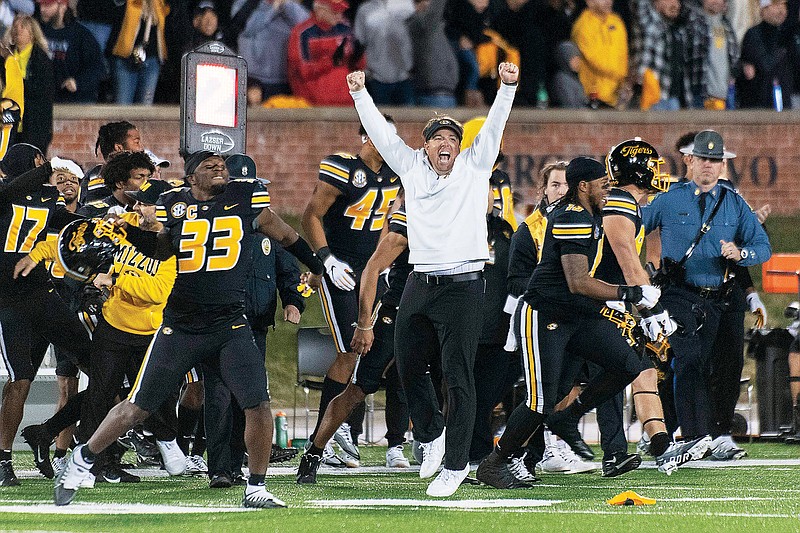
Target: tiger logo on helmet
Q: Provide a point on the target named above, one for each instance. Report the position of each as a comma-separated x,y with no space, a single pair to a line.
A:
87,247
636,162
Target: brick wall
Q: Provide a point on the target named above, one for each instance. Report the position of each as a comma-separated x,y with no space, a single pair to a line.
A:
288,144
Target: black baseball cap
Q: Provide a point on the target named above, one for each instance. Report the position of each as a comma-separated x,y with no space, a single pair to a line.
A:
584,169
241,166
150,190
439,123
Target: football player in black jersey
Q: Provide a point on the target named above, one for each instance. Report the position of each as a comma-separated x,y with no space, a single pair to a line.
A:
635,167
373,341
209,226
32,315
343,222
561,314
119,179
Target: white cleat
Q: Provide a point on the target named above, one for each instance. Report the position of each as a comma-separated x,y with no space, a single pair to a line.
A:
432,455
395,457
258,497
171,453
75,474
447,482
195,465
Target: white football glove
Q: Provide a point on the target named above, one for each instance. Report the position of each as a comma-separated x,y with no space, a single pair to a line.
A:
616,305
758,308
668,326
650,296
651,327
511,338
340,273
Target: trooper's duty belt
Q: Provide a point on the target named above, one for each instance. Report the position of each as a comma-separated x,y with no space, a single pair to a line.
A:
434,279
705,292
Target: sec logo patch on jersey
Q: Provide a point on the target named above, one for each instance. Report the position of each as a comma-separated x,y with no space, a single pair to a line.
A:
360,178
178,210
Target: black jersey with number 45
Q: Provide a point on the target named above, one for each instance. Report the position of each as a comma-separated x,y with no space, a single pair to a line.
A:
570,230
354,222
24,222
213,243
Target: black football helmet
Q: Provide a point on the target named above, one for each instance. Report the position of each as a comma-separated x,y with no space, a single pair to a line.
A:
87,247
637,162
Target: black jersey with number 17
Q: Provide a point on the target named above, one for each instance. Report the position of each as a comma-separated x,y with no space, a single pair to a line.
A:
23,223
213,244
354,222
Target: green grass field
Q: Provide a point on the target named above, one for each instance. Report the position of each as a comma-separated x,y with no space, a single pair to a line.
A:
743,498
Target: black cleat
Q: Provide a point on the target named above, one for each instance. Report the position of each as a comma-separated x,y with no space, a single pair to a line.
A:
279,455
113,473
238,479
566,427
220,481
619,463
307,471
7,476
39,440
494,471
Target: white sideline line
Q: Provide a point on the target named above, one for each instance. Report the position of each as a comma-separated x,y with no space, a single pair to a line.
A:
115,508
445,504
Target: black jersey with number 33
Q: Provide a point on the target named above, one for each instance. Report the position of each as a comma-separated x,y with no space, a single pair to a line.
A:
354,222
213,243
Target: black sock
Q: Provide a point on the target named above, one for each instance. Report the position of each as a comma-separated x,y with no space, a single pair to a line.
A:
187,422
255,479
330,390
66,416
87,455
5,455
59,453
313,450
520,426
199,444
659,443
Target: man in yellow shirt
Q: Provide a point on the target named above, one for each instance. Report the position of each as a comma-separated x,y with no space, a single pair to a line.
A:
601,37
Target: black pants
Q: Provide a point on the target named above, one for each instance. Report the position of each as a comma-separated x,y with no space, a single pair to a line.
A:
116,355
440,322
496,371
709,354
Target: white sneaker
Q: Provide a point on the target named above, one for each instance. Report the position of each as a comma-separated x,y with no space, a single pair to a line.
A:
349,460
196,465
432,455
58,464
520,470
88,482
553,462
75,472
447,482
724,449
395,457
258,497
576,464
330,458
171,453
344,439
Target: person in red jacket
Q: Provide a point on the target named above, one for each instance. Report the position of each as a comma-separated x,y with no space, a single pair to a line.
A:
322,50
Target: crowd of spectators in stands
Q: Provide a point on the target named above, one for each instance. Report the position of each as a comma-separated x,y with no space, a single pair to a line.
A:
623,54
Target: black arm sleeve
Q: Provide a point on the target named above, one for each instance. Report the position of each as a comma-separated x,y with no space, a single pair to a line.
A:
62,217
150,243
522,259
302,251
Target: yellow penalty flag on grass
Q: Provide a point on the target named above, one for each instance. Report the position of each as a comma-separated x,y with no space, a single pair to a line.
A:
629,497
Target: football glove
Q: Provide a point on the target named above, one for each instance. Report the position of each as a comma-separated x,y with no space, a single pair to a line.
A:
758,308
340,273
